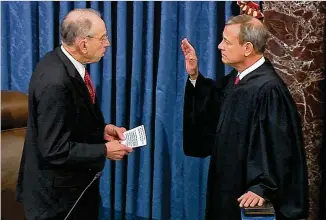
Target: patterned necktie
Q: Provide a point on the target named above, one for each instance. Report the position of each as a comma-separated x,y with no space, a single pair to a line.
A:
236,81
89,86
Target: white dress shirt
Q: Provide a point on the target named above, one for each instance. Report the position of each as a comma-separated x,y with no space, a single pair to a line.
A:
79,67
251,68
243,73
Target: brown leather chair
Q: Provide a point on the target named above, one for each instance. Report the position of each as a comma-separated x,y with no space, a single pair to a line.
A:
14,113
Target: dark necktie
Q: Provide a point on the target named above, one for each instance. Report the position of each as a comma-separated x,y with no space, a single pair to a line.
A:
90,86
236,81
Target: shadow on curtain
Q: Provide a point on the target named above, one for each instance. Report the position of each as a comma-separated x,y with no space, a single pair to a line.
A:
140,80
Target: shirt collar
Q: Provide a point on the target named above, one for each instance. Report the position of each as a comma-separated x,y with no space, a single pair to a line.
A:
79,67
251,68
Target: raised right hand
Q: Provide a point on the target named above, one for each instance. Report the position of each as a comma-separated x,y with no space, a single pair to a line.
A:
116,151
191,60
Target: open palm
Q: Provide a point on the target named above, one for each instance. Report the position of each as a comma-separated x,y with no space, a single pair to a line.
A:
191,60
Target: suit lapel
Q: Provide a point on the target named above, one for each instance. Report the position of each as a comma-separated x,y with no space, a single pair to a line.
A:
78,81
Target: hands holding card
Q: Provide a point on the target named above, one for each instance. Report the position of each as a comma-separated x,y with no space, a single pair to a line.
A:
135,137
120,142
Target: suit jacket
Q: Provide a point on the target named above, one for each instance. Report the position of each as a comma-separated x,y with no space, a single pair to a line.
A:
64,146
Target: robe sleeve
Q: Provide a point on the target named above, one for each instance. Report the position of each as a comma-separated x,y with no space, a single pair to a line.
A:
276,163
200,115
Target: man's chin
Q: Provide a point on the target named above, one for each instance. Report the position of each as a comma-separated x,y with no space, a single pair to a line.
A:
224,61
98,59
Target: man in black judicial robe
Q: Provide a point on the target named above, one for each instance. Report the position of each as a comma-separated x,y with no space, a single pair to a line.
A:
248,122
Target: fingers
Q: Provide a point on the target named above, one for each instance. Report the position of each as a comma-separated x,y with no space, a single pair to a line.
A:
250,199
121,136
126,149
112,132
183,46
120,154
110,138
119,132
186,46
117,155
254,202
244,199
123,148
189,52
261,201
241,197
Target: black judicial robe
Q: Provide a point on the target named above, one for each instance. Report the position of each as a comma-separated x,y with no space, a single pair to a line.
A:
253,134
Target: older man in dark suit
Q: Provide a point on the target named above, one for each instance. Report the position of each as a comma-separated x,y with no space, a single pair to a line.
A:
67,140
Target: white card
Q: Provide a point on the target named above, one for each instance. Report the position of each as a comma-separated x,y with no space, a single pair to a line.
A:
135,137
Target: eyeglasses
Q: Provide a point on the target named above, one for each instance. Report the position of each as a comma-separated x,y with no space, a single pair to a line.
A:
102,39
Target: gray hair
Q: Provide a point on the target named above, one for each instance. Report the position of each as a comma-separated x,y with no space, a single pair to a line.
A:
70,29
257,34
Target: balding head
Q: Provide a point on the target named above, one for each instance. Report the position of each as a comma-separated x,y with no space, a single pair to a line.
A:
78,23
251,30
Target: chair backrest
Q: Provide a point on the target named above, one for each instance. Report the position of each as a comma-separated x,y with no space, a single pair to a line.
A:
14,113
14,109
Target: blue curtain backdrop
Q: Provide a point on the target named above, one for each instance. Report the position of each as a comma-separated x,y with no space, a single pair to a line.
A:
140,80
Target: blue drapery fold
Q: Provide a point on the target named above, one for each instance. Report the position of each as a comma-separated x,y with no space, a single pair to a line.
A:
140,80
